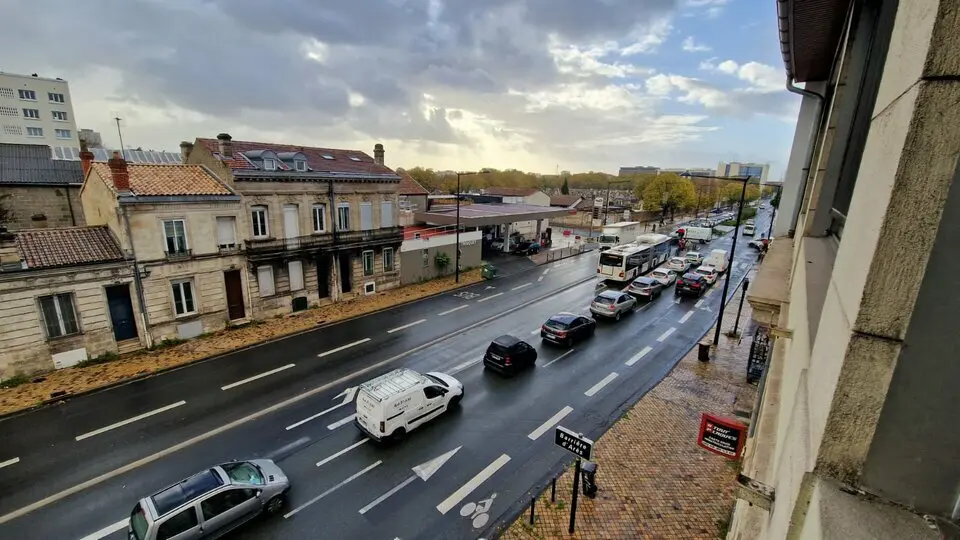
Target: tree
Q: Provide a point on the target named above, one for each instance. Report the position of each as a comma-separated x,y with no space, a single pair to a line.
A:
669,193
753,193
775,202
565,187
730,194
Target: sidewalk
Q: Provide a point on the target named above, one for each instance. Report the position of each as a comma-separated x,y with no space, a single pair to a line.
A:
655,482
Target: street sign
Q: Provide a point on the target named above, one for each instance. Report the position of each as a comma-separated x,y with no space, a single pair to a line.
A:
574,443
723,436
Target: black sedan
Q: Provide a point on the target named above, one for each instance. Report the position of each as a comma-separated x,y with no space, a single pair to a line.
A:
645,288
508,354
567,328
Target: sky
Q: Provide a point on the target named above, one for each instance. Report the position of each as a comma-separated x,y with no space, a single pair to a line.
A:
536,85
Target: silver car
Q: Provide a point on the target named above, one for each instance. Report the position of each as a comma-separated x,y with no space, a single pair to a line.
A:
612,304
210,503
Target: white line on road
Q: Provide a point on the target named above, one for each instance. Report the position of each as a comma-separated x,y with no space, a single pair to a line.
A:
558,358
521,286
404,327
489,297
387,495
535,332
699,303
599,386
666,334
544,427
255,377
331,490
539,279
342,422
127,421
636,358
449,311
332,457
11,461
545,270
465,365
107,531
686,316
343,347
459,495
318,415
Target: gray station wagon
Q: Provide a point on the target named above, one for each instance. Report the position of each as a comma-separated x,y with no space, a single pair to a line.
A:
211,503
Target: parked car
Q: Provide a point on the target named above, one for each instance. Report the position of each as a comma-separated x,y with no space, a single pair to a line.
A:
645,288
748,230
665,276
396,403
527,248
567,328
210,503
757,243
508,354
497,245
679,265
612,304
709,273
695,258
691,284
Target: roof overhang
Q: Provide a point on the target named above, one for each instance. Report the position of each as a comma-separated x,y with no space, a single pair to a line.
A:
810,32
175,199
314,176
479,215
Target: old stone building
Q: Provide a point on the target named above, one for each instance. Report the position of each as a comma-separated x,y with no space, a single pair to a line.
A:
320,224
37,191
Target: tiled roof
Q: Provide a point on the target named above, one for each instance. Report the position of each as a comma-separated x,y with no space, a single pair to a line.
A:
510,191
340,163
563,200
409,186
68,246
166,180
31,164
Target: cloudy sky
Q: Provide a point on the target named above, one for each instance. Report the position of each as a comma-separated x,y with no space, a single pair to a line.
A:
449,84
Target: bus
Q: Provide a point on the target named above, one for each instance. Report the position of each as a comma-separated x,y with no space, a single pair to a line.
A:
626,262
617,234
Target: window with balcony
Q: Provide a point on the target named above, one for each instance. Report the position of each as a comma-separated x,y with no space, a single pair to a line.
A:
368,262
343,216
33,114
34,132
265,281
386,214
258,218
227,233
175,235
27,95
387,259
183,298
59,317
62,133
54,97
319,218
59,116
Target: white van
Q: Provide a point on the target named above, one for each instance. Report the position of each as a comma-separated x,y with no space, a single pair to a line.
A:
398,402
749,230
718,259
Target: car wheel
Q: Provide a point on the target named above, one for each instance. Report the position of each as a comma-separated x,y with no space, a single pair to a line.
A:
569,343
399,434
616,316
455,400
275,504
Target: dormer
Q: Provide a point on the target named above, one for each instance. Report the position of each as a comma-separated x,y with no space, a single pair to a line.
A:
267,160
295,160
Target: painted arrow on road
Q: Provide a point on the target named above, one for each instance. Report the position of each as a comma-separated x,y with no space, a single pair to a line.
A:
423,471
347,396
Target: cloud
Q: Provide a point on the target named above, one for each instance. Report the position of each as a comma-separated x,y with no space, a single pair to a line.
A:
708,8
760,99
649,38
690,45
761,77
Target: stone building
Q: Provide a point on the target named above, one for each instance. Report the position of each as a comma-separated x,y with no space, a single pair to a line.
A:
37,191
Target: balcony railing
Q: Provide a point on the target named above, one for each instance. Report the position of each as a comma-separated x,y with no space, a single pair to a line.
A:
318,242
179,254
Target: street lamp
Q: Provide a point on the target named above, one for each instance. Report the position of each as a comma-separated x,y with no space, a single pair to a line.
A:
457,261
606,200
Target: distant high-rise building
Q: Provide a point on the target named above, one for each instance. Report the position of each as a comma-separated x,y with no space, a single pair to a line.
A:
735,168
36,110
638,169
92,138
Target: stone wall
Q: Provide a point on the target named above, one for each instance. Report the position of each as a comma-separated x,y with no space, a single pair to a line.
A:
38,207
415,271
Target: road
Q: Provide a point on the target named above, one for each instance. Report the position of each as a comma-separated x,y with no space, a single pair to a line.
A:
83,464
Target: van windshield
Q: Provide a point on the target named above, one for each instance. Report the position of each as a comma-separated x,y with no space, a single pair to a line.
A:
243,472
437,380
138,523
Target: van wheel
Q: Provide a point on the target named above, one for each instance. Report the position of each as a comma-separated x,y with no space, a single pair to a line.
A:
275,504
399,434
455,400
616,316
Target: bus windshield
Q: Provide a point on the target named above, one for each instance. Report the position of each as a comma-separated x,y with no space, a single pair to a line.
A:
608,239
610,260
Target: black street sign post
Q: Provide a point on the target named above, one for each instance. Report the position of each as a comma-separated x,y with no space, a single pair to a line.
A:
581,447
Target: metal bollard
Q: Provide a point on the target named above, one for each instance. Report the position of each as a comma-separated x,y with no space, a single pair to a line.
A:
589,472
703,351
533,505
553,491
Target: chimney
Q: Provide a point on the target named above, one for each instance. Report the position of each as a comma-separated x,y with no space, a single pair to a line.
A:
185,148
226,144
86,158
9,253
118,170
378,153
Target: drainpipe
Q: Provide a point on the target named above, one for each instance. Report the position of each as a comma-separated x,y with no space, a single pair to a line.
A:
73,218
137,282
811,144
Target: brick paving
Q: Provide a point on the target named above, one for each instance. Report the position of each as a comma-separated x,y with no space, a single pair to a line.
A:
663,486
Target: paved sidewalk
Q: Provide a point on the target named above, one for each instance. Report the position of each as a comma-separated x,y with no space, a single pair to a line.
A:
655,482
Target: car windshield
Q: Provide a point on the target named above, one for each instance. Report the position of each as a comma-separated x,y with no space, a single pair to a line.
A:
437,380
138,523
658,273
243,472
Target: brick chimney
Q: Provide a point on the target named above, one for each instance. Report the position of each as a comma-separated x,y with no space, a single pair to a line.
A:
118,170
226,144
185,148
86,158
378,153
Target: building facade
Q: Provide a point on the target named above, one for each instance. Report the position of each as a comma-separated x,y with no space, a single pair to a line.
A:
36,110
37,191
735,168
856,434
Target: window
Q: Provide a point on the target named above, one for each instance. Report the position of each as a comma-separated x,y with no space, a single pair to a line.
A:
343,216
319,218
183,302
227,232
265,280
28,95
34,132
178,524
59,116
300,164
354,158
295,269
224,501
175,232
259,219
59,318
62,133
55,97
387,259
327,156
368,262
425,255
269,164
31,113
366,216
432,392
243,471
386,214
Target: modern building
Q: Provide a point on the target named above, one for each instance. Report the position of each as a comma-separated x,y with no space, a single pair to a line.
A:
637,169
36,110
734,168
856,435
37,191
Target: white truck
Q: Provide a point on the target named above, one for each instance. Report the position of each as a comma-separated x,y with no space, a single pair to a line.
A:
617,234
718,259
699,234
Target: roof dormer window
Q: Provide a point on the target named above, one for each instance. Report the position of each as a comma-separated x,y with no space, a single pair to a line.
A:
354,158
327,156
269,164
301,165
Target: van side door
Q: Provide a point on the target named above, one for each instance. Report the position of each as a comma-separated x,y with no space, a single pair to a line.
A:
229,508
433,404
184,525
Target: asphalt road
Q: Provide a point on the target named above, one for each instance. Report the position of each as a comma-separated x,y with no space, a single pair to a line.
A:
83,464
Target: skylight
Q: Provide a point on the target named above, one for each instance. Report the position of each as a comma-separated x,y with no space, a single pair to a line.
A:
327,156
354,158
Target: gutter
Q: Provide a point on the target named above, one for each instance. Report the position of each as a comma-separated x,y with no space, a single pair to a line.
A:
174,199
811,143
138,283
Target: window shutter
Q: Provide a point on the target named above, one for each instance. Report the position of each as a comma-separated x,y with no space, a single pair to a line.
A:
386,214
366,216
265,280
295,268
226,232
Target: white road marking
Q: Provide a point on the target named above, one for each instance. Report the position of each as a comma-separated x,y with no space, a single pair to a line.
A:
387,495
347,399
459,495
107,531
599,386
636,358
11,461
127,421
686,316
535,332
341,422
332,457
666,334
521,286
545,270
343,347
465,365
331,490
449,311
539,279
554,420
404,327
489,297
586,308
255,377
559,357
279,452
699,303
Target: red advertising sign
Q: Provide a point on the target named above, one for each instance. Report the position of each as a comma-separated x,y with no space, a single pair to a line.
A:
723,436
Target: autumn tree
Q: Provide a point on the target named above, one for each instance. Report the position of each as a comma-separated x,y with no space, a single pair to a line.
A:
730,194
668,193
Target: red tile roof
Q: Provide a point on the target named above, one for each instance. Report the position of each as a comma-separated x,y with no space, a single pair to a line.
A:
67,246
166,180
510,191
409,186
340,163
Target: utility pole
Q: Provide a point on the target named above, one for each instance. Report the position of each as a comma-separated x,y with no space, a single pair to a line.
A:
123,154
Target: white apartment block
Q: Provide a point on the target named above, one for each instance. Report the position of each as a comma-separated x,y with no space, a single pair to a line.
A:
735,168
36,110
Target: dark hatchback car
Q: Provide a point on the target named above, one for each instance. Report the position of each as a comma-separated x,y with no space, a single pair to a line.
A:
508,354
691,284
567,328
645,288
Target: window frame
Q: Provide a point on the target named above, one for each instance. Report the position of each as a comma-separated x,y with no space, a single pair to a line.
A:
363,226
373,262
300,165
54,114
28,116
340,206
59,310
51,95
383,259
39,131
227,246
303,281
323,217
186,241
58,132
273,280
177,288
255,209
269,164
21,92
389,214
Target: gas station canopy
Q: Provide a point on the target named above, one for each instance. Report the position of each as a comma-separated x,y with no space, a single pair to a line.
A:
479,215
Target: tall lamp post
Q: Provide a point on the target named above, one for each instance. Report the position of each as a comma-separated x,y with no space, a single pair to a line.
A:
456,278
606,200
